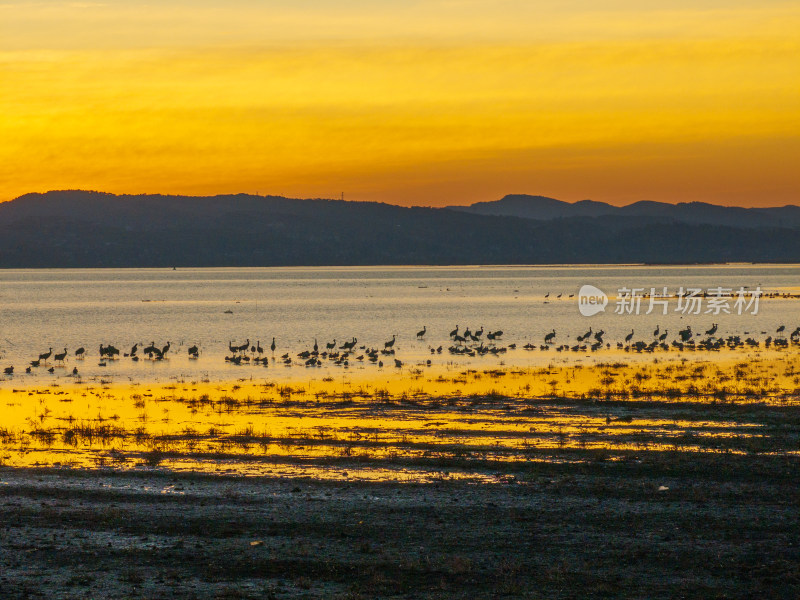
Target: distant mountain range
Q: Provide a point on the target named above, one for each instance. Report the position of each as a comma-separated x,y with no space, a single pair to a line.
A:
93,229
696,213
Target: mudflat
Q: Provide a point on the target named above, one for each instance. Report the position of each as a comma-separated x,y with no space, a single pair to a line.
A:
659,525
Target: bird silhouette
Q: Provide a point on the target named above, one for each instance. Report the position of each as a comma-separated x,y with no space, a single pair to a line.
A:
421,334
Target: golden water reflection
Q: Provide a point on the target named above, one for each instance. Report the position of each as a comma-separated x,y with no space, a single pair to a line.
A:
413,425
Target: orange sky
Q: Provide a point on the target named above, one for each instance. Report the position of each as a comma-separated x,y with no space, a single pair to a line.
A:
437,102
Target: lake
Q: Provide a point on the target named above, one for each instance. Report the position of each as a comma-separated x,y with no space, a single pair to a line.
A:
62,308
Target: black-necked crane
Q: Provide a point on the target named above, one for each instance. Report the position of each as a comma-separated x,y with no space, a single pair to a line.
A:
259,349
74,370
549,337
454,333
421,334
80,352
713,330
133,351
165,349
629,337
390,343
194,351
331,345
479,332
316,346
655,333
9,370
781,329
272,346
663,336
46,355
60,356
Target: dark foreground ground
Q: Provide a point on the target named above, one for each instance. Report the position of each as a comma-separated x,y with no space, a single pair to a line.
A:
726,527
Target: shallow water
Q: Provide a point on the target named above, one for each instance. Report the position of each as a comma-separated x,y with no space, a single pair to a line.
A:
414,426
41,309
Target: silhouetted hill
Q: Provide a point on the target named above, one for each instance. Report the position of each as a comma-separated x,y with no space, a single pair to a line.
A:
695,213
90,229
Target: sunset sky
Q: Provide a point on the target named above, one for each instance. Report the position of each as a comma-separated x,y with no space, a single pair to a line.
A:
411,102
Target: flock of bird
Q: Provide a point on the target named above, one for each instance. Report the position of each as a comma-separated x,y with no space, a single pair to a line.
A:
467,342
685,340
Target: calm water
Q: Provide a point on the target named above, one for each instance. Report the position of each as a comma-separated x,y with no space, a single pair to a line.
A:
72,308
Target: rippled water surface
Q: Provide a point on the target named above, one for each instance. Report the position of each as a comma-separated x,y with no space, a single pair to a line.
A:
40,309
